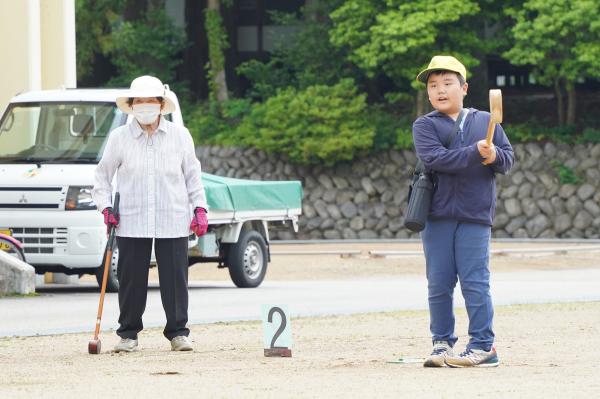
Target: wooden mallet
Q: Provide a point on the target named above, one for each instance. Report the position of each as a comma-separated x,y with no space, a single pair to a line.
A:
495,112
95,346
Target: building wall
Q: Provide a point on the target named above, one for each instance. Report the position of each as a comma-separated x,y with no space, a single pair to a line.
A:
16,41
37,43
58,43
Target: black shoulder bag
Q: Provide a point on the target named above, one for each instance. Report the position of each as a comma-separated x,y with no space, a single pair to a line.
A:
421,189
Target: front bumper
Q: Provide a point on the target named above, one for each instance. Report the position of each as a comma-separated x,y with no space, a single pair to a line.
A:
72,239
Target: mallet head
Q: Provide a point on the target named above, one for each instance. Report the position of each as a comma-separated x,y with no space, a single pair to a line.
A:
496,105
94,347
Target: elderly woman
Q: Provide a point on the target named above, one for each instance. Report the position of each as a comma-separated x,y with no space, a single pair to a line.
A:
158,178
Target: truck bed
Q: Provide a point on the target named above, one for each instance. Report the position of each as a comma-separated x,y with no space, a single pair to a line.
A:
234,200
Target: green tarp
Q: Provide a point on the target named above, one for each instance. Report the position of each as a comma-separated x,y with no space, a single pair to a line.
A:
225,193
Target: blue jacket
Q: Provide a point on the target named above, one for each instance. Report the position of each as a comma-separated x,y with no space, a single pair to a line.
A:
465,189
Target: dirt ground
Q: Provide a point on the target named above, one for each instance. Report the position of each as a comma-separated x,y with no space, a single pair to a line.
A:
546,351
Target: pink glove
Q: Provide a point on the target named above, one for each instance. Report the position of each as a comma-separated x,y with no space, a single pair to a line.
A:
110,219
199,223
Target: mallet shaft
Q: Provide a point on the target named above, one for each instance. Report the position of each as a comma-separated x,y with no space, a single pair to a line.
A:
490,132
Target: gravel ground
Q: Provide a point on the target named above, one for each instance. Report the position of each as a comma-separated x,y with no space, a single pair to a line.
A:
546,351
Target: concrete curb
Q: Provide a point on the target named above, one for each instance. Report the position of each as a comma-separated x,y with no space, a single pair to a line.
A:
16,277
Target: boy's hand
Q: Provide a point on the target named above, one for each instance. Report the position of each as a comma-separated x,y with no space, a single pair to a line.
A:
486,151
492,158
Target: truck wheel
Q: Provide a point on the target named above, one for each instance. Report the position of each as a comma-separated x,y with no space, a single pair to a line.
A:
247,259
112,282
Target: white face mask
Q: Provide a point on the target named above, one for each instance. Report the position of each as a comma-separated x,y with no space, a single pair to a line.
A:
146,113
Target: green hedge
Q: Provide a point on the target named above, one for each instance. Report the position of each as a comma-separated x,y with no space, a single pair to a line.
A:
319,124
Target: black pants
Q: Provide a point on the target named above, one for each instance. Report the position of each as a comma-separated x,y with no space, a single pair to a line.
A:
132,270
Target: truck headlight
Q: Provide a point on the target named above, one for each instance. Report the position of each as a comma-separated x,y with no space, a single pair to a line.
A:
79,198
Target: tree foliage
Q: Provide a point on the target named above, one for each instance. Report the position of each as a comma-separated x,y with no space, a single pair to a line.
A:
399,37
149,43
93,22
560,39
341,81
303,58
150,46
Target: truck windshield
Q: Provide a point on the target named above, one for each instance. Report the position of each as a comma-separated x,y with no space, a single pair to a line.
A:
57,132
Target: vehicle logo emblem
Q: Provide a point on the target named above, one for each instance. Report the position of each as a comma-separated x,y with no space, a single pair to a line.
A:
31,172
22,200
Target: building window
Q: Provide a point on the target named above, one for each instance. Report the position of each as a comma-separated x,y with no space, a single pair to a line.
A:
247,38
257,32
531,79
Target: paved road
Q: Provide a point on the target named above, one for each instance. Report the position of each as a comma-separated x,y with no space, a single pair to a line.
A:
73,308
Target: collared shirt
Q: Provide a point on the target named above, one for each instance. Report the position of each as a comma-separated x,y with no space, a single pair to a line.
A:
158,178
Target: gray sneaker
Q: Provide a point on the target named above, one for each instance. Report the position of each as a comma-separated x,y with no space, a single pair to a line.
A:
126,345
181,343
474,358
441,349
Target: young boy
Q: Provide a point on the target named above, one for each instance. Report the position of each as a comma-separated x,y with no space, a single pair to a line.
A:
456,238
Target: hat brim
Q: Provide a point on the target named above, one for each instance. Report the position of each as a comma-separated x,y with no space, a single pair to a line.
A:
424,75
123,101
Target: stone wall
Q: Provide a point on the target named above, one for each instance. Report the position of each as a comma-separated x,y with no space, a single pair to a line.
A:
367,198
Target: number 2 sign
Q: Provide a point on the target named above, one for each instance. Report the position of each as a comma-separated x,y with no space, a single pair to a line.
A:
277,331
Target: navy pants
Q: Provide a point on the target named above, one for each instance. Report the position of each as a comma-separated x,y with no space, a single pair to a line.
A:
132,271
454,251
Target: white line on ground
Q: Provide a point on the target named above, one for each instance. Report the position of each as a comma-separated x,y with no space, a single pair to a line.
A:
392,254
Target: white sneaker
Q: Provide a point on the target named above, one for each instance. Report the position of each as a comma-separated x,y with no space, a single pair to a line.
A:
474,358
126,345
441,349
181,343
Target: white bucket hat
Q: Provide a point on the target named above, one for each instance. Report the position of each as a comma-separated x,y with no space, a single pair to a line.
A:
147,86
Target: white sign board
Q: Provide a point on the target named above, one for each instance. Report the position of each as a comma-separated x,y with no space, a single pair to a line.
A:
276,327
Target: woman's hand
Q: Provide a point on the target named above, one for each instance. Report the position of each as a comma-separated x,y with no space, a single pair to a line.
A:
110,219
199,223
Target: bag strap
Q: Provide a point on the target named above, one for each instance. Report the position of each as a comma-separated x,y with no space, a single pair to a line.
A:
420,168
455,128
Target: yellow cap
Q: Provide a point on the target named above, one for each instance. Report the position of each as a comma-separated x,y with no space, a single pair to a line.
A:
443,63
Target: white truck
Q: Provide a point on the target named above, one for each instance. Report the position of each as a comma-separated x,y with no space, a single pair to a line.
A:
50,144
